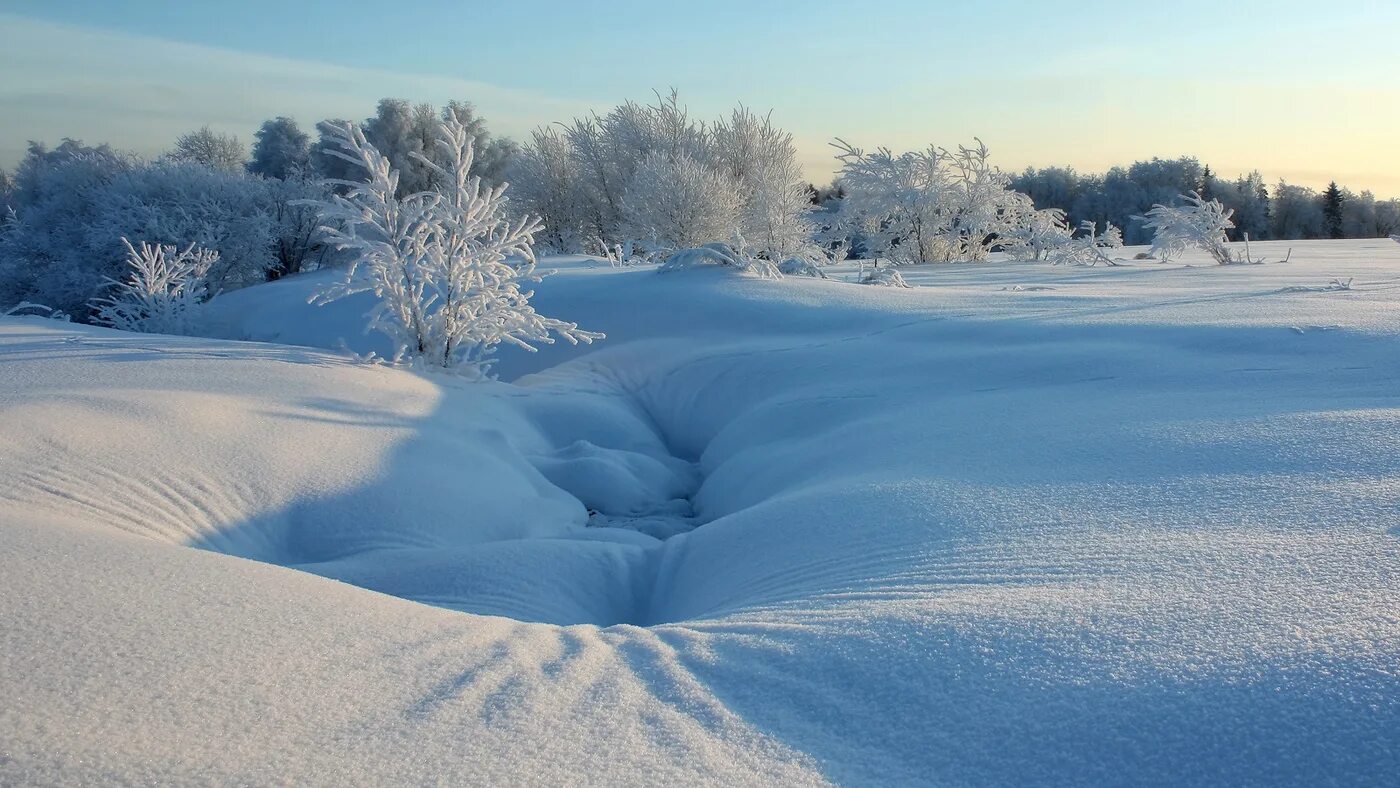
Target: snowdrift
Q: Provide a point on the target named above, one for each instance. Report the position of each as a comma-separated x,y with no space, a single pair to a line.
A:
1017,523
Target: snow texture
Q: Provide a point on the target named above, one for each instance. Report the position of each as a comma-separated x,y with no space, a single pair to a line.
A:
1018,523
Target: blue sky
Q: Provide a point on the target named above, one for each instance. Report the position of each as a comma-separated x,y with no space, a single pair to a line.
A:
1303,90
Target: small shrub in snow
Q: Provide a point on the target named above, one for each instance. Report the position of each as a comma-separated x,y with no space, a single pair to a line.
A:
1037,235
1088,248
163,294
801,266
1196,223
627,253
721,255
440,261
883,277
36,310
1112,237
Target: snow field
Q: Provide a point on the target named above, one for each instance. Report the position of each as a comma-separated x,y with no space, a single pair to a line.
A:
1141,523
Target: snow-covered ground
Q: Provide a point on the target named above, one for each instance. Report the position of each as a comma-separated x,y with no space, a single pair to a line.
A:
1018,524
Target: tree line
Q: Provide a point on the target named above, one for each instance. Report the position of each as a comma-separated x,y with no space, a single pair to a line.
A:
1283,211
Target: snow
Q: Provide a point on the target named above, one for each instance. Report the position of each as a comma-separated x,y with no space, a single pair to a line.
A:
1017,523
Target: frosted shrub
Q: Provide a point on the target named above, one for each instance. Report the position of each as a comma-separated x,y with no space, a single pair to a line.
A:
36,310
882,277
1037,235
722,255
163,294
1088,248
440,262
1196,223
933,205
801,266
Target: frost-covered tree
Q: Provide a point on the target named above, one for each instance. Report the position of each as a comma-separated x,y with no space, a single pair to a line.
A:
1387,218
761,160
1192,223
180,204
545,183
609,150
1363,216
297,241
211,149
280,150
1248,196
678,203
1210,183
897,201
932,205
404,133
493,154
580,176
1111,238
1051,187
163,293
1295,212
449,267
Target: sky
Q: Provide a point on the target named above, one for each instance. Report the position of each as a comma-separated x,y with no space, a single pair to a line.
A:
1306,91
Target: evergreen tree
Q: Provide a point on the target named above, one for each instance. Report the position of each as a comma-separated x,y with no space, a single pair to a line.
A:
1207,190
1332,210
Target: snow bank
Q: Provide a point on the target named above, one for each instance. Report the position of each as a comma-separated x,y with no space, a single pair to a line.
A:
1140,522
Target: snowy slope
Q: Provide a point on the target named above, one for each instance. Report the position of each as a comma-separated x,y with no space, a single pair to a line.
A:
1142,524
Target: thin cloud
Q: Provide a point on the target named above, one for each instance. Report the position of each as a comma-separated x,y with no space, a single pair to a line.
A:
140,92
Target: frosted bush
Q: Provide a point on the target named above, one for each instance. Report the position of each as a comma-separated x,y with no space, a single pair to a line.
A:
1195,223
1036,235
933,205
801,266
882,277
721,255
35,310
163,293
1087,249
